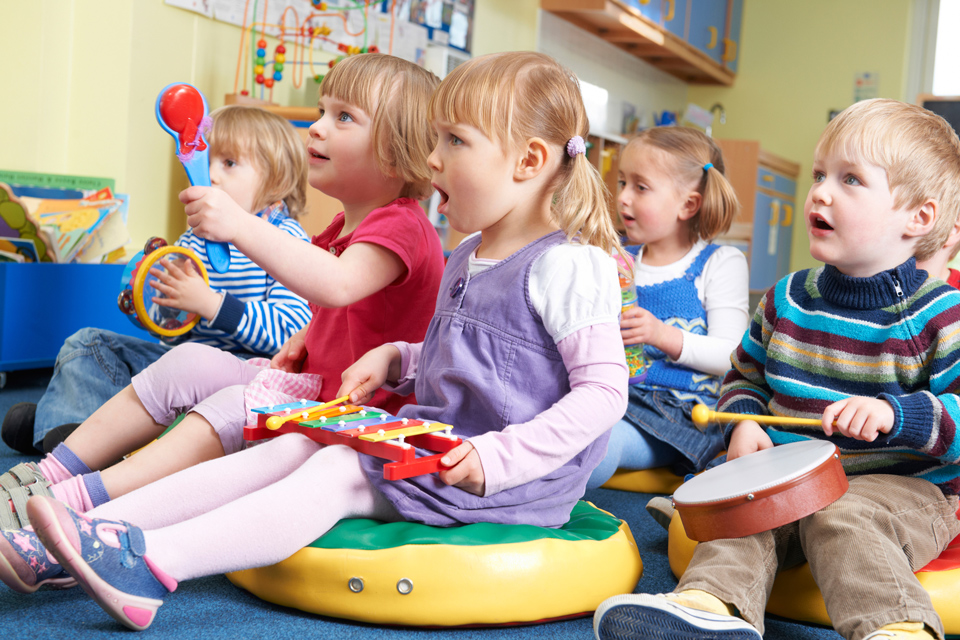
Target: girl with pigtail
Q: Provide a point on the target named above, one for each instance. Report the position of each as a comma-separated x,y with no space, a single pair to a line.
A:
692,299
523,356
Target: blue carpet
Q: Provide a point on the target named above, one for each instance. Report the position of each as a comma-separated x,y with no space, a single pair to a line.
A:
212,608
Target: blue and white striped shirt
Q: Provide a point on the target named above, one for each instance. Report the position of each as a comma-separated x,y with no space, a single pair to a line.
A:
258,314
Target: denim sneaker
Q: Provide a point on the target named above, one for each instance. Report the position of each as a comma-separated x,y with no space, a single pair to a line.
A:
107,559
25,565
640,616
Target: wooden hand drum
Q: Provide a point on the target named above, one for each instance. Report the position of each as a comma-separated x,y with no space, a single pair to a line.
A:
761,491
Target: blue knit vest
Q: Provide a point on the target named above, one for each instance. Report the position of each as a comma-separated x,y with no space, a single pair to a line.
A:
676,303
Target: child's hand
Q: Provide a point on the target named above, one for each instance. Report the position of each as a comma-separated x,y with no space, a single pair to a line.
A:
464,470
212,213
184,288
748,437
292,354
639,326
859,418
362,379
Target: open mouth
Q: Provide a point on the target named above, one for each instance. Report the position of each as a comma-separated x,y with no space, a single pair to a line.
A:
444,198
819,223
627,217
314,154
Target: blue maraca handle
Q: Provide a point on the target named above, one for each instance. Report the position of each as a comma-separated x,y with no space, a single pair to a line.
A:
198,172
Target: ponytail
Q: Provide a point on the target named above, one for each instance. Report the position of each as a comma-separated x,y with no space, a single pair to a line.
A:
719,206
581,206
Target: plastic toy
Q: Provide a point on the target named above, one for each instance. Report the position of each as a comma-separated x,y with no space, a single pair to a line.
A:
364,429
795,595
137,290
182,112
405,573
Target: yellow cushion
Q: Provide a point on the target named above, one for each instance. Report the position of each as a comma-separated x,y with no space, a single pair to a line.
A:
479,574
659,480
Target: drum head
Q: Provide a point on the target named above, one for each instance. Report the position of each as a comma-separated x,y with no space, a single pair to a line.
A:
755,472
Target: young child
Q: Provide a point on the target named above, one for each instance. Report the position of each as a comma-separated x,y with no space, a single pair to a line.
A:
866,344
692,295
938,264
256,158
523,355
371,277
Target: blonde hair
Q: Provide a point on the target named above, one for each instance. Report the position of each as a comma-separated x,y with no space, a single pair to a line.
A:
691,151
918,150
271,143
514,96
395,94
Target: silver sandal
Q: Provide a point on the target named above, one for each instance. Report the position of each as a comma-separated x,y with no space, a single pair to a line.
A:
22,475
17,496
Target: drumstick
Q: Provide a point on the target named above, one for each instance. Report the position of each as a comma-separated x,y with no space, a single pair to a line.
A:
275,422
702,416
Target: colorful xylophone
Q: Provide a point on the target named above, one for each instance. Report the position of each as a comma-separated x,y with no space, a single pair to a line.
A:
364,429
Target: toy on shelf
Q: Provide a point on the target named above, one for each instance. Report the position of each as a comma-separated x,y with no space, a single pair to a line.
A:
137,290
364,429
182,112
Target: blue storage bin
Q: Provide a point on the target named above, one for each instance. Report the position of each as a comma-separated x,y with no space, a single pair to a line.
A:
41,304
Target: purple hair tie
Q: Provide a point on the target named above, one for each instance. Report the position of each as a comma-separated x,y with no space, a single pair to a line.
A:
576,146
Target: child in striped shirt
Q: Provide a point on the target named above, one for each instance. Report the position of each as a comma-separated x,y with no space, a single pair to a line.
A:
371,278
256,157
867,345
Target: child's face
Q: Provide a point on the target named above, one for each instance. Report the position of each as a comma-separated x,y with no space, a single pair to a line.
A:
852,221
473,176
650,203
238,177
342,162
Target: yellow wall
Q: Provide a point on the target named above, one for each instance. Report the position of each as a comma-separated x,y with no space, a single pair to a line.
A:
85,78
798,61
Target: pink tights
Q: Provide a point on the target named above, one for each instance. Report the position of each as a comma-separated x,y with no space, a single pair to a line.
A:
251,509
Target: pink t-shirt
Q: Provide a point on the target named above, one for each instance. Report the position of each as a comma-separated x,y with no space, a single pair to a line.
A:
336,338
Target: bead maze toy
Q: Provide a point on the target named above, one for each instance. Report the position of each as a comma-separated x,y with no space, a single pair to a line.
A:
298,40
364,429
182,112
137,290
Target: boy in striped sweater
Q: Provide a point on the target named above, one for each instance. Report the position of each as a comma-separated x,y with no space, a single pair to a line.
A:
868,344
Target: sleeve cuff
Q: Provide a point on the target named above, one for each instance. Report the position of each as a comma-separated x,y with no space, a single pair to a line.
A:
911,420
230,314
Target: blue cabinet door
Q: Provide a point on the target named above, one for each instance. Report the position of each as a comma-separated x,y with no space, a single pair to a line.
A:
785,239
731,50
708,21
675,17
649,9
766,242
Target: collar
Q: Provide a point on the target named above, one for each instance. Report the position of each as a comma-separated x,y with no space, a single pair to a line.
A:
872,292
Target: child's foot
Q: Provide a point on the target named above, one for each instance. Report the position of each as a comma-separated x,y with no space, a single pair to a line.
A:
106,558
25,565
903,631
661,509
22,475
639,616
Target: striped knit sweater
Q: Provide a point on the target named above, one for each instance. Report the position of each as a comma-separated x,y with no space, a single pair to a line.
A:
258,314
820,336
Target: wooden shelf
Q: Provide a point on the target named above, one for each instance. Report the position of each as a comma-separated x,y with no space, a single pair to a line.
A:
626,28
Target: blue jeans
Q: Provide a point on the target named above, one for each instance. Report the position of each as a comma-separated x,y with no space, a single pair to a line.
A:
664,436
631,448
93,366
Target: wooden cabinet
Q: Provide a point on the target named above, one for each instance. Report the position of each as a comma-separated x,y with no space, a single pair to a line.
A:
697,41
766,186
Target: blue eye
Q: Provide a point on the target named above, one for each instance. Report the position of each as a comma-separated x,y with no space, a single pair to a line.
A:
345,117
852,180
454,140
818,176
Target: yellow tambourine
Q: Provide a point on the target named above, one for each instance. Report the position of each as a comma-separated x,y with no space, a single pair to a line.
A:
137,290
